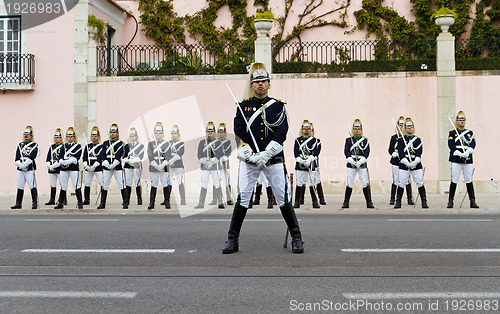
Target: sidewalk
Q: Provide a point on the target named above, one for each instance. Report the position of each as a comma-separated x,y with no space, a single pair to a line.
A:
488,203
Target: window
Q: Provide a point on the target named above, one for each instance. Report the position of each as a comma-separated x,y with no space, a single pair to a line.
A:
10,45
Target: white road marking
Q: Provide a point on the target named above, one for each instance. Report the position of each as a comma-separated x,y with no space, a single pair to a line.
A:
98,251
421,250
71,219
68,294
251,220
423,295
440,220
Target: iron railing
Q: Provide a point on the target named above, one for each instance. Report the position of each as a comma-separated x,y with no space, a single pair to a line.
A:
295,57
17,69
477,54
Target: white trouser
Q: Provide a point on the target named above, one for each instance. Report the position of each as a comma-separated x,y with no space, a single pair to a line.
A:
132,176
53,179
106,178
306,177
262,180
24,177
317,179
205,177
456,169
363,176
225,177
404,177
164,177
178,173
275,174
89,176
64,177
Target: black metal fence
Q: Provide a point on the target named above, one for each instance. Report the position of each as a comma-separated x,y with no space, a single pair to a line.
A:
17,69
294,57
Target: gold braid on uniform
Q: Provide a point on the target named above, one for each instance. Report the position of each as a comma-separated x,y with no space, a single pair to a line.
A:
281,118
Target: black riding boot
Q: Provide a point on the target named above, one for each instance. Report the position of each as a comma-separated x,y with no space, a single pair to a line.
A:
166,194
79,203
368,197
219,198
214,196
298,193
423,196
472,196
138,191
399,196
393,194
270,197
451,196
233,234
258,191
288,214
250,204
182,192
152,197
201,202
129,191
321,196
314,198
62,199
228,196
124,198
104,196
86,195
347,197
302,193
34,198
52,200
409,194
19,199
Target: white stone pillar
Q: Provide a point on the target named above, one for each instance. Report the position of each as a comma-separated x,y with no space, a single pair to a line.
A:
263,46
445,64
91,79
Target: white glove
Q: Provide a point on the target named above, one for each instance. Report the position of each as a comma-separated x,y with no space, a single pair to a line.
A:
203,161
272,149
154,163
224,159
115,163
85,165
64,162
25,164
126,159
468,152
92,168
73,160
211,162
395,154
300,160
48,165
54,166
18,163
105,164
174,158
245,152
351,161
405,162
361,161
414,163
309,160
459,153
161,167
133,161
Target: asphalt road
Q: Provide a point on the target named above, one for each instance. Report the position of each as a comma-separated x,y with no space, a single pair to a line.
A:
358,263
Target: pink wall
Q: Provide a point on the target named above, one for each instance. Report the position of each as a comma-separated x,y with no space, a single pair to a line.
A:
50,105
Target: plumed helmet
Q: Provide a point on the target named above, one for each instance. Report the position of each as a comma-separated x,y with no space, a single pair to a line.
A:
257,73
71,132
158,129
57,134
29,131
132,132
95,132
210,127
114,128
357,125
222,127
460,116
401,121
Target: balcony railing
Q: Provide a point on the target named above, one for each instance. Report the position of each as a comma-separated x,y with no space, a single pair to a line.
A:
295,57
17,69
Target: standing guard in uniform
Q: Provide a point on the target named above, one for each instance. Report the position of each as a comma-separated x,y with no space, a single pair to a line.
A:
158,153
52,163
357,150
462,143
261,124
316,173
224,160
113,150
26,153
133,165
306,152
393,151
410,148
91,164
69,155
175,164
209,154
